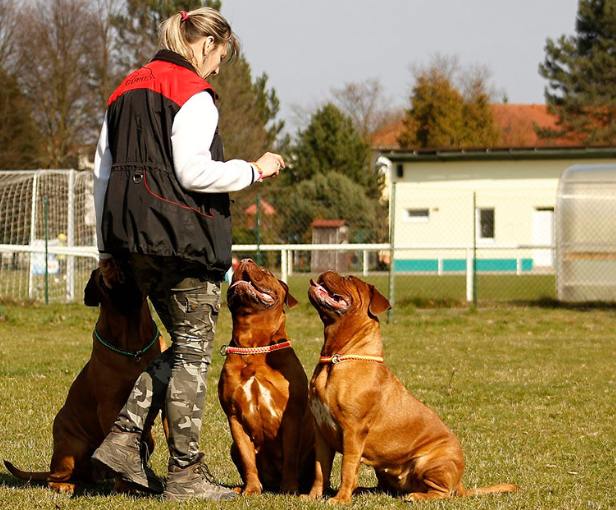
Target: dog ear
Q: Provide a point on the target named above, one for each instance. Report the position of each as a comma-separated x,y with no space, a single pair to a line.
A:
111,272
378,302
91,296
289,300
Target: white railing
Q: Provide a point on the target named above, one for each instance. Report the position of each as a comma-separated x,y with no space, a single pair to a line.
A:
287,250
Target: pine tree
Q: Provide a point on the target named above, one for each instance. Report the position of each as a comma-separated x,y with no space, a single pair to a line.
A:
581,74
479,127
441,116
330,143
435,118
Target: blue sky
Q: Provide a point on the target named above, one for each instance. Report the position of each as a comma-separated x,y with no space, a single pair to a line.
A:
308,47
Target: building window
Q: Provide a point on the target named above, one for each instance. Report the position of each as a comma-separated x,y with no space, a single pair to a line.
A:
486,224
400,170
417,215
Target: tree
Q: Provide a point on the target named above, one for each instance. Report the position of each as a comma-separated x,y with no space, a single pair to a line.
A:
54,67
581,74
328,196
365,105
479,127
19,136
8,28
137,28
247,111
105,72
330,143
443,114
435,118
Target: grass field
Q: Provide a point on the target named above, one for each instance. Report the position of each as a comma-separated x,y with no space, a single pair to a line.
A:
530,392
449,289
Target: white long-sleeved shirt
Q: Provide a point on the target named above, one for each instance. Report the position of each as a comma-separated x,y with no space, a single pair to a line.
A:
192,133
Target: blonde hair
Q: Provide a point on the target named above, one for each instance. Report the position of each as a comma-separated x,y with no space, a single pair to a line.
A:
184,28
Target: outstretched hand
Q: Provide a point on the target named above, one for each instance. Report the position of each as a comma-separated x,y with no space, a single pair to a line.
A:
270,164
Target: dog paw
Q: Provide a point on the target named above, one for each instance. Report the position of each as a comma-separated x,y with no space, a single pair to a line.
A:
62,487
252,491
337,500
308,497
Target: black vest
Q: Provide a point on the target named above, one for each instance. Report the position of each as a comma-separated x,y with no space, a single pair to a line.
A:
146,210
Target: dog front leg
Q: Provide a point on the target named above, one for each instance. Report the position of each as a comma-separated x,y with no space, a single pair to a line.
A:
352,448
291,439
323,466
248,458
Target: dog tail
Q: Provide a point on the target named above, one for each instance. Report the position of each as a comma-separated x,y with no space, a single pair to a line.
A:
31,476
492,489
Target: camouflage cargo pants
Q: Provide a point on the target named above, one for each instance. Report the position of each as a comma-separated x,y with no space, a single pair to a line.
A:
187,304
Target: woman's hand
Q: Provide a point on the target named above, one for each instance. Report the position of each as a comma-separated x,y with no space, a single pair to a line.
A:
270,164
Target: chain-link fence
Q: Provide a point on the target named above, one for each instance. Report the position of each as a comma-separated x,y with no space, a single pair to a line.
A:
451,247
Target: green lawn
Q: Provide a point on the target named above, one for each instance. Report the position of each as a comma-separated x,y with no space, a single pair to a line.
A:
416,289
530,392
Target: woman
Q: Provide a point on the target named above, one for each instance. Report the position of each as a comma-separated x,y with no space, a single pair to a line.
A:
163,211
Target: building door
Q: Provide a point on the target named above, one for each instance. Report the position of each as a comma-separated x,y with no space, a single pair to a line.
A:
543,233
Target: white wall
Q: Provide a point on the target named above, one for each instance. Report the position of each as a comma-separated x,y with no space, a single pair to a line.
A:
515,189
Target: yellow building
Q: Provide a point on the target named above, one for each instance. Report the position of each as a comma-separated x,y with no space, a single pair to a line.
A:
499,202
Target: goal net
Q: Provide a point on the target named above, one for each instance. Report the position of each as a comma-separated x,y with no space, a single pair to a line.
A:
46,211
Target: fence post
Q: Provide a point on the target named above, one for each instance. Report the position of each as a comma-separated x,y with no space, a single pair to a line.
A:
365,263
475,217
70,237
392,216
258,227
470,276
32,234
284,265
46,229
290,263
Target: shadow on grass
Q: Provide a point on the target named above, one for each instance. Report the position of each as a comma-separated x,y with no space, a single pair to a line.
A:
555,304
426,302
82,489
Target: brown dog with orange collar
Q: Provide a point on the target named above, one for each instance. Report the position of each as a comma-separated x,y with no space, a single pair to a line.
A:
263,388
125,341
363,411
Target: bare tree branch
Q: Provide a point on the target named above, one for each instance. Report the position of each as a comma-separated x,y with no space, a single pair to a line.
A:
8,25
365,104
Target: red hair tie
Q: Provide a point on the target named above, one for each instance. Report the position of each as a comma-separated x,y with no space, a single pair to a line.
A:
184,15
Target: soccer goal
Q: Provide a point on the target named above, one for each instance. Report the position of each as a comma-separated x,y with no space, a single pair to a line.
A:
47,234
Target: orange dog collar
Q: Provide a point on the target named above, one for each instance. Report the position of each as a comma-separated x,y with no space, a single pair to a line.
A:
247,351
337,358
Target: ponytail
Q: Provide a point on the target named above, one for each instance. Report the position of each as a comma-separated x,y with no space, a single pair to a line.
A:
184,28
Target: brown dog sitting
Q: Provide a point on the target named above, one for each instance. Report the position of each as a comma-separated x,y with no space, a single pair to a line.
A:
125,341
263,388
363,411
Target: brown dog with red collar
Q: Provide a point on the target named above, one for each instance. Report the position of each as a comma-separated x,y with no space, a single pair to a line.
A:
363,411
103,385
263,388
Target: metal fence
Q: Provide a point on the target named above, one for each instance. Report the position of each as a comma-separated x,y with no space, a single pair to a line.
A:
415,258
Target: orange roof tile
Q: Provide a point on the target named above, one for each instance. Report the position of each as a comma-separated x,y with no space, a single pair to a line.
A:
267,208
319,223
516,123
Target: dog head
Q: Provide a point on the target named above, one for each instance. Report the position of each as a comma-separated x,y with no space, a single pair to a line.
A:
110,286
335,296
255,289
